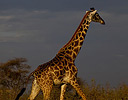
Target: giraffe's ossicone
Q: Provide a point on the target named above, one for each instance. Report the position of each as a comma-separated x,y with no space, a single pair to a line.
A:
61,69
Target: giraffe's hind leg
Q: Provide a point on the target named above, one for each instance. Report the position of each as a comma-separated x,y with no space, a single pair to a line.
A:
35,90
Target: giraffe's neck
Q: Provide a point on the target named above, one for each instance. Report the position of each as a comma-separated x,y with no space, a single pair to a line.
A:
72,48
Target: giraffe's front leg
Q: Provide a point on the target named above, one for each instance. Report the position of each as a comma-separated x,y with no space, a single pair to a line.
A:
74,83
35,90
78,89
63,90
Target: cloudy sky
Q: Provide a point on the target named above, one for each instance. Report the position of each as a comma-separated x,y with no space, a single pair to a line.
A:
37,29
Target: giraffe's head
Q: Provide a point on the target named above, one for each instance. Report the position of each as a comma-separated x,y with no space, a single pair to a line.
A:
95,17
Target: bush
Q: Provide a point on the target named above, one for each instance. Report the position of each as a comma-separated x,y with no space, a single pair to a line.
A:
13,75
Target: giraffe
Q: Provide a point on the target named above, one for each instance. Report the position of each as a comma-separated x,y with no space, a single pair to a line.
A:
61,69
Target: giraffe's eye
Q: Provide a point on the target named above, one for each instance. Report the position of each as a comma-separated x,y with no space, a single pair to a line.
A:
96,15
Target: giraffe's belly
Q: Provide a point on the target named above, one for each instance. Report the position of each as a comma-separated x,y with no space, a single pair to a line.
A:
57,81
62,79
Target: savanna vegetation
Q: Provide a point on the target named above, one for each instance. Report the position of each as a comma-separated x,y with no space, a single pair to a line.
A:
14,72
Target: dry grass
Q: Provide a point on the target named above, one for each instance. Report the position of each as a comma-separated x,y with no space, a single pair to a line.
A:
92,92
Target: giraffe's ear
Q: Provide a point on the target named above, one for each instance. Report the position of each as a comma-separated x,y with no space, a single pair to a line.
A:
93,12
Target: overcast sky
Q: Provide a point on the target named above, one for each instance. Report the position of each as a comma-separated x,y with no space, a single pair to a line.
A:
37,29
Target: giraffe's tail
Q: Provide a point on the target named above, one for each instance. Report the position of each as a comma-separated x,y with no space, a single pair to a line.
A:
23,89
20,94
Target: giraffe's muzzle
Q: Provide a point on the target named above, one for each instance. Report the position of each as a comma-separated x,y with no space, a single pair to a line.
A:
102,22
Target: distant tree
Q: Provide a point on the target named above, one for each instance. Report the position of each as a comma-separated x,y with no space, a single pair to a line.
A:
13,74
